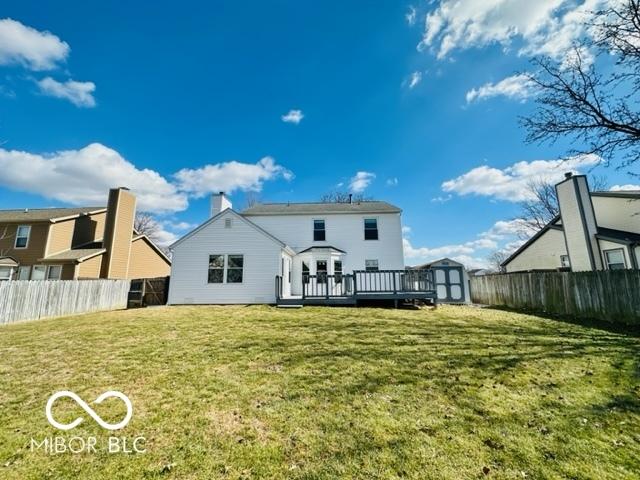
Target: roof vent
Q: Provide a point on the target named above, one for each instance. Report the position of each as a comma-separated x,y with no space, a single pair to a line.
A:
568,175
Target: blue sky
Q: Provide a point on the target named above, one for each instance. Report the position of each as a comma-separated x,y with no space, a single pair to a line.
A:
413,103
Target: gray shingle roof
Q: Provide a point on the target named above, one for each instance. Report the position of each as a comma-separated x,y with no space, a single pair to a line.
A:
74,254
320,208
43,214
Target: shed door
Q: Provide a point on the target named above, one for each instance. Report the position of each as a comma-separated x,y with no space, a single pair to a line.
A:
449,284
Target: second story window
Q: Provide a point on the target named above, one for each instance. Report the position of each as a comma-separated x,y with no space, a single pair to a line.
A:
371,229
319,233
22,236
371,265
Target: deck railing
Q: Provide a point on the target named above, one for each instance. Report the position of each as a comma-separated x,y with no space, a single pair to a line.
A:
393,281
362,282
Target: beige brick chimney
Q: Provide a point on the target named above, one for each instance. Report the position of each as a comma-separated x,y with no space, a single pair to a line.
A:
118,230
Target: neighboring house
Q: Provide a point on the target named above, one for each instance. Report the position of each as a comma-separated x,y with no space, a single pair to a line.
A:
594,231
238,257
451,280
78,243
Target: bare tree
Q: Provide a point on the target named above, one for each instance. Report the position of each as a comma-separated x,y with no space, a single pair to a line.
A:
4,234
146,224
496,258
343,197
599,112
542,205
251,199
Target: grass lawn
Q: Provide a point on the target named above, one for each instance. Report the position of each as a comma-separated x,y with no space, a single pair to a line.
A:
323,393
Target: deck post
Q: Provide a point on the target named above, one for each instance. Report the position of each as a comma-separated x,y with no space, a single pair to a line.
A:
395,288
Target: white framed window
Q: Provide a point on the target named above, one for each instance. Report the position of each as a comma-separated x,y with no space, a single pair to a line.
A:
24,272
564,261
54,272
371,265
615,259
371,229
226,268
22,236
319,231
6,273
337,270
38,272
235,268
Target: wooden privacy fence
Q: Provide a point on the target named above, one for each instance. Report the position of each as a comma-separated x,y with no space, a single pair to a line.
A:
148,291
32,300
612,295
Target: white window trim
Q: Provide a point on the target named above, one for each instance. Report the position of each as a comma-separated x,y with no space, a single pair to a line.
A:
49,267
33,269
313,229
15,244
606,257
225,268
10,277
364,219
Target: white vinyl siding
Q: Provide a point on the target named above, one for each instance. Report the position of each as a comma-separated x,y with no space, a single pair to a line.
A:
261,257
543,254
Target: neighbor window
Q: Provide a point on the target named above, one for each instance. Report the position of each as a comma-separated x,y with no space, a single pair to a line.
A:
216,268
22,236
235,264
5,273
23,273
370,229
564,261
319,233
337,270
615,259
321,271
371,265
39,272
305,272
54,272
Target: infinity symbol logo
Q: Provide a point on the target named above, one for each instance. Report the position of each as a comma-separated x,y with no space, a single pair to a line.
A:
89,410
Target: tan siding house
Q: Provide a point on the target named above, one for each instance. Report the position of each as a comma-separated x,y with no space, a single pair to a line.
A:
594,231
73,243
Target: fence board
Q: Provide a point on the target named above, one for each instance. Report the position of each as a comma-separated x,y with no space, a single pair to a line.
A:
611,295
32,300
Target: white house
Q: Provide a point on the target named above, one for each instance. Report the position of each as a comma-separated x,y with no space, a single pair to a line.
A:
594,231
311,249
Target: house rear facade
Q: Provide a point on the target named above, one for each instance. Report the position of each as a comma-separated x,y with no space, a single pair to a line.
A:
235,257
78,243
594,231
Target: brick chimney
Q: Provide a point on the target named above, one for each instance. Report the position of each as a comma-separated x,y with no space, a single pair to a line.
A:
118,231
219,202
579,223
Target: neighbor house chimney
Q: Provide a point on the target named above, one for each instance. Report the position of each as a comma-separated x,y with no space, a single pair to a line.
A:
219,202
118,230
579,223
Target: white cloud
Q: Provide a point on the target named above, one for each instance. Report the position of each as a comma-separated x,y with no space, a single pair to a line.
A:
517,87
411,15
511,183
230,176
406,230
546,27
414,79
83,177
78,93
392,182
294,116
508,229
623,188
360,181
442,199
26,46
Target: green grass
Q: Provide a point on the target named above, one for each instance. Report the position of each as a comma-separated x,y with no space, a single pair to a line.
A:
318,393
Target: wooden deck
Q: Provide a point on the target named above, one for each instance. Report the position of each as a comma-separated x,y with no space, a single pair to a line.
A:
351,289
